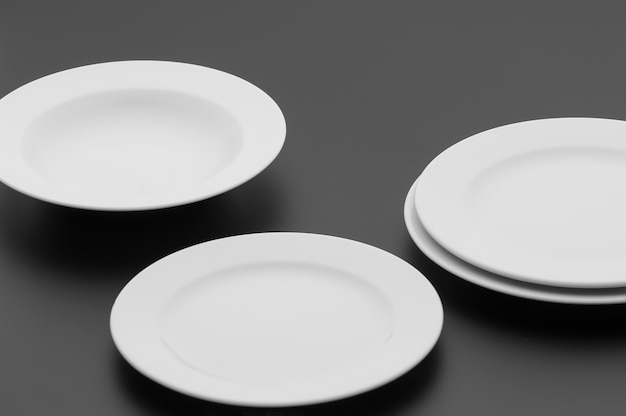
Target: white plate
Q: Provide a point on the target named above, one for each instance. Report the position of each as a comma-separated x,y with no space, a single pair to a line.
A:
276,319
495,282
136,135
541,201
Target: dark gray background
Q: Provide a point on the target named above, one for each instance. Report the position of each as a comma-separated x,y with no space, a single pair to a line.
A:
372,91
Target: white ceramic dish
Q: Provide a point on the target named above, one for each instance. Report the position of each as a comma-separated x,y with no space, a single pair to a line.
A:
540,201
495,282
136,135
276,319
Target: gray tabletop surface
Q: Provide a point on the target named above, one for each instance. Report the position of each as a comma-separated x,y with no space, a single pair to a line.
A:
371,91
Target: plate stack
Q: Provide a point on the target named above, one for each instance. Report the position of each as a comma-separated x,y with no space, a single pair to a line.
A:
535,209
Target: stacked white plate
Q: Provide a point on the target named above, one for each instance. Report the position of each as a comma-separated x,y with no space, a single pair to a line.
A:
535,209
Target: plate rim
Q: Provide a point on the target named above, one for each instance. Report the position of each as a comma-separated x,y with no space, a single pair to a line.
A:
421,343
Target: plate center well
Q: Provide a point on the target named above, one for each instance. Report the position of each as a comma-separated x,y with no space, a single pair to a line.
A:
558,203
131,143
274,322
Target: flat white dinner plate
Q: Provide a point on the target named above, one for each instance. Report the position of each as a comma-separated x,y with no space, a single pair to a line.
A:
541,201
136,135
495,282
276,319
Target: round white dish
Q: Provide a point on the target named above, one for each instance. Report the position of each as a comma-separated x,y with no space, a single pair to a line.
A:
136,135
540,201
495,282
276,319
